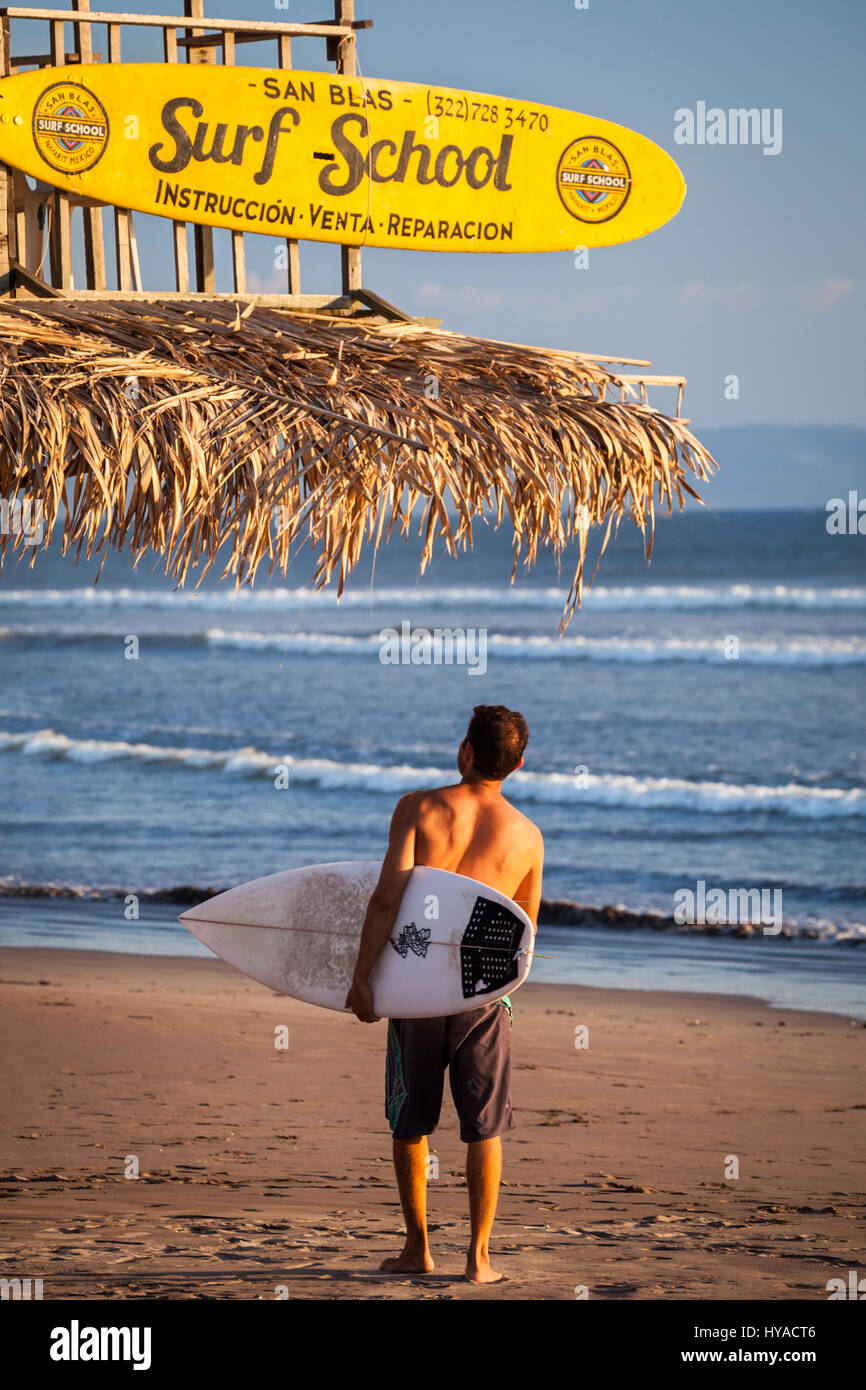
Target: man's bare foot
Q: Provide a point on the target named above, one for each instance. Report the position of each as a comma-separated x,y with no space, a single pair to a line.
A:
481,1271
409,1261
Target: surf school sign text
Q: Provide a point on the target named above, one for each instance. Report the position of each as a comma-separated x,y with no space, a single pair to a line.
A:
193,139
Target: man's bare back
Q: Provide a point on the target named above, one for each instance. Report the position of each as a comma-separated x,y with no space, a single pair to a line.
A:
471,829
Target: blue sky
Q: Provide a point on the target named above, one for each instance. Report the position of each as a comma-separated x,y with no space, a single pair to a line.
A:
757,276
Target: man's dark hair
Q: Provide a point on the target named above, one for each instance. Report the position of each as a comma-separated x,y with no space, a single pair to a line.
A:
498,737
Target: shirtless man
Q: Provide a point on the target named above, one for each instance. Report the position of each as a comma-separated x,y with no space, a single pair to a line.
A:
470,829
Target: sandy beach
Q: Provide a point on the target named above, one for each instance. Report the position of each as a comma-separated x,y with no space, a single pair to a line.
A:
262,1167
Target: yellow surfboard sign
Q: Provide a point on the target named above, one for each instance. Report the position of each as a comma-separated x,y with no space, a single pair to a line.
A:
320,157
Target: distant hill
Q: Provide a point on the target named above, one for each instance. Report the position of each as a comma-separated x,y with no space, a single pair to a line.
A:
781,466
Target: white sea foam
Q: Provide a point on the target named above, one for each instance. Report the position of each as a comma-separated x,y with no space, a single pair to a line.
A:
640,651
803,652
613,790
617,598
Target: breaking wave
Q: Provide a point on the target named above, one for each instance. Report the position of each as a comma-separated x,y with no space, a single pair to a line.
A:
803,652
612,790
607,598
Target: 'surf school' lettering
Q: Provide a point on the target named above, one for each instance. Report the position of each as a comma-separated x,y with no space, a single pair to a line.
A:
187,147
449,165
382,161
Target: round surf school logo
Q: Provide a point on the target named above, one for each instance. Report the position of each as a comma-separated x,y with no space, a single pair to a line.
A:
593,179
70,128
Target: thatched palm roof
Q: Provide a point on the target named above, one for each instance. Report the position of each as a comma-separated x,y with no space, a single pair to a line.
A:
183,427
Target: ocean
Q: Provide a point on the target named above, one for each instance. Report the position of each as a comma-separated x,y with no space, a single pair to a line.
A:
696,742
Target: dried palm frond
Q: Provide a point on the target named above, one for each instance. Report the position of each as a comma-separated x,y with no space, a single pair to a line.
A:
182,427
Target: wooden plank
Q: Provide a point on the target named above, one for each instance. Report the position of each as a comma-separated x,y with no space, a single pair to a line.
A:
135,268
179,239
42,60
306,303
94,243
8,225
626,361
214,40
652,380
239,265
122,248
37,288
267,28
293,254
61,226
181,257
381,306
122,251
19,186
205,278
347,64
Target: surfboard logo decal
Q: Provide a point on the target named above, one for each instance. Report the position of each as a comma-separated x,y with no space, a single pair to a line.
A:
593,179
412,938
70,127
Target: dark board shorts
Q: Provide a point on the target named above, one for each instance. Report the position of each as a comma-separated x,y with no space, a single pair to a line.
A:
475,1047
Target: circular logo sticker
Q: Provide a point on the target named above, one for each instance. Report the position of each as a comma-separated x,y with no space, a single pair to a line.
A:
593,179
70,128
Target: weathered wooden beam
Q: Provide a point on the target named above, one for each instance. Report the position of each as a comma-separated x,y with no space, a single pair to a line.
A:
239,264
347,64
652,380
205,278
381,306
94,243
61,227
308,303
214,40
178,229
19,186
122,254
171,21
8,225
42,60
293,256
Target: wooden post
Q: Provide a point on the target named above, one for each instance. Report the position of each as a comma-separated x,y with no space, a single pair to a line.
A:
294,261
121,215
8,229
181,251
347,63
203,236
239,268
61,231
94,244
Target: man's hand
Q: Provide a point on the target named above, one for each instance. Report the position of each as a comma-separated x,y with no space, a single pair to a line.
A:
360,1001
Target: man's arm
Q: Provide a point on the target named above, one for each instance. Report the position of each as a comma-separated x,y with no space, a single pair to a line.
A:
383,906
529,892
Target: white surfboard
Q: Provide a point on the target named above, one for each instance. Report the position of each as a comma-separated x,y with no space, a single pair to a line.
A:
456,944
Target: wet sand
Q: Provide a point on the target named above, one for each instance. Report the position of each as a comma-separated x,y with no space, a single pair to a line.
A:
266,1172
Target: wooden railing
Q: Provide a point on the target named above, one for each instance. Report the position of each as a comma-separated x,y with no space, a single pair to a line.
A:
25,214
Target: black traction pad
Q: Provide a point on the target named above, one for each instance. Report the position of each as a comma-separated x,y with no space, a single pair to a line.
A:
488,948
